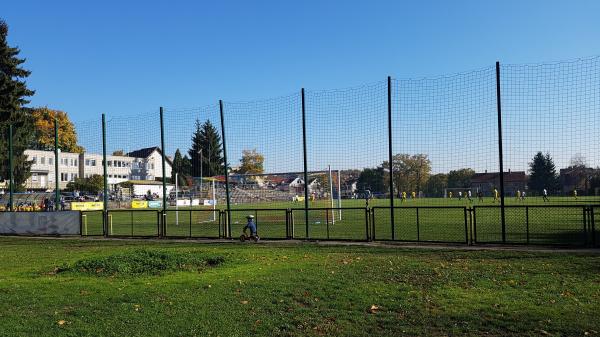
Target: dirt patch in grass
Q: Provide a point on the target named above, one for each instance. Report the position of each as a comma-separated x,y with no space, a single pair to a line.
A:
142,262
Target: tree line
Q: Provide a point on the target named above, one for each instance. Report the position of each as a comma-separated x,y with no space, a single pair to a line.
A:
413,173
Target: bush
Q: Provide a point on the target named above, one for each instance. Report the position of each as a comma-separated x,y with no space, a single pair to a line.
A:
142,262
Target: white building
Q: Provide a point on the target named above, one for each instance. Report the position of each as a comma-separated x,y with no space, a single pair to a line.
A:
143,164
43,168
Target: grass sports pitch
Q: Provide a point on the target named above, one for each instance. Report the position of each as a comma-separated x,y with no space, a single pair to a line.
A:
428,219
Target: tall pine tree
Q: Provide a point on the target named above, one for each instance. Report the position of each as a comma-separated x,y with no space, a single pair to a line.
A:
13,98
206,150
542,173
179,169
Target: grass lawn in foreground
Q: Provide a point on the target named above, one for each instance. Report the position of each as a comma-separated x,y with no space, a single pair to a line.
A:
546,225
294,290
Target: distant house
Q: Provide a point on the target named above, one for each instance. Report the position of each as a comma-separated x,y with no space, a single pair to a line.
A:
486,182
296,185
579,178
149,164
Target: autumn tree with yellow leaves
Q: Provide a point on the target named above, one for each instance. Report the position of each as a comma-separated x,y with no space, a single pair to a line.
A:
44,131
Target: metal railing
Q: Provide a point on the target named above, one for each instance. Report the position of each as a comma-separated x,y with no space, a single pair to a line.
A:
568,225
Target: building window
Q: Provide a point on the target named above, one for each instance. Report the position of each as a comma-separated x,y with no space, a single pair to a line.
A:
33,159
43,160
109,163
50,161
87,162
64,177
34,177
93,162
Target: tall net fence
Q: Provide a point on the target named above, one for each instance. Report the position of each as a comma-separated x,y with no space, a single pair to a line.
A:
316,163
194,149
445,146
346,131
553,109
264,149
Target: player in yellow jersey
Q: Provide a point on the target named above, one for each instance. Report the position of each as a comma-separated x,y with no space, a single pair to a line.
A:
575,193
403,196
450,194
413,195
495,195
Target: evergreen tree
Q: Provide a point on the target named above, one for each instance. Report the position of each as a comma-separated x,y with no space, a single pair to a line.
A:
206,150
542,173
195,150
13,98
178,168
186,166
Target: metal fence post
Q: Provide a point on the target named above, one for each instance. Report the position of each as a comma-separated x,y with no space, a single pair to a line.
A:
418,226
501,157
585,225
527,223
367,214
228,222
474,237
305,162
373,235
56,150
390,153
466,225
105,176
11,187
593,224
164,177
471,218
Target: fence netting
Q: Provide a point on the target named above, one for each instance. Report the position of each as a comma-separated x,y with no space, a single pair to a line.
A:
550,116
327,174
346,133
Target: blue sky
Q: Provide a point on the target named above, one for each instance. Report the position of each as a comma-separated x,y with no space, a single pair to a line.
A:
125,58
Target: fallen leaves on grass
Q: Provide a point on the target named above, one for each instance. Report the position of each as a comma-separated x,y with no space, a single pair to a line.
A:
374,309
244,302
61,322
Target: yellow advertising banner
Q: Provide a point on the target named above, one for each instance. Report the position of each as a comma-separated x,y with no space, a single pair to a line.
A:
87,206
139,204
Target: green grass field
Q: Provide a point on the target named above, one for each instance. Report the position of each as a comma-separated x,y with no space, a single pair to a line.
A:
291,290
534,224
